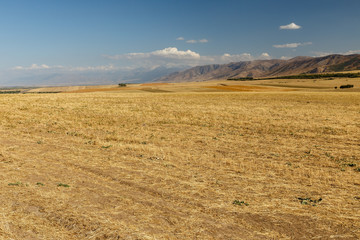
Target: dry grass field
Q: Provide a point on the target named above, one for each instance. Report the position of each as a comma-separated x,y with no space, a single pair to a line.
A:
185,162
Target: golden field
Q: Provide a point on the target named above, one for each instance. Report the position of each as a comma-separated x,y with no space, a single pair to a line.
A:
214,160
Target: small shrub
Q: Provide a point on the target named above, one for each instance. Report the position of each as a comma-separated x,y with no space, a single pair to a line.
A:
40,184
91,142
122,84
62,185
15,184
240,203
346,86
351,164
307,201
108,146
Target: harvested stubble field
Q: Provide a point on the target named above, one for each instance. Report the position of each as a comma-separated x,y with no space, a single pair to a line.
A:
232,165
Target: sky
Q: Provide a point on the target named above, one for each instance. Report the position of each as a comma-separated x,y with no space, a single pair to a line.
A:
108,35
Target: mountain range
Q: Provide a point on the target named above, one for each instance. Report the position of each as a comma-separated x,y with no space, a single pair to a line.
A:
255,69
267,68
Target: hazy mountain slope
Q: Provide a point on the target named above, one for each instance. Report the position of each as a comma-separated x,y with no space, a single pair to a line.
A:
267,68
69,78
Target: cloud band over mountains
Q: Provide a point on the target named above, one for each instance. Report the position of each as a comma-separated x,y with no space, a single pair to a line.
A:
166,53
172,56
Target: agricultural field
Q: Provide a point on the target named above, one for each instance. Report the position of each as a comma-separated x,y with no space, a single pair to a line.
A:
215,160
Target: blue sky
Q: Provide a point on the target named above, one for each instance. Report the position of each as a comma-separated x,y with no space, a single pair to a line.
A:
84,35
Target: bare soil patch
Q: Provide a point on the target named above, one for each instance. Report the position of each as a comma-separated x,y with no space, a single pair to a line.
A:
154,84
154,90
88,90
244,88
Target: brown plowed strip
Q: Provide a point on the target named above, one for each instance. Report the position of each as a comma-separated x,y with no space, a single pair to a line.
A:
154,90
153,84
97,90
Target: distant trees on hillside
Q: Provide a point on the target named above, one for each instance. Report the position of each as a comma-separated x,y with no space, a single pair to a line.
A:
10,92
241,79
328,76
317,76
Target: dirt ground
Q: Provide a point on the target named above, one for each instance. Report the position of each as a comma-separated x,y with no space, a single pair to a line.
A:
180,165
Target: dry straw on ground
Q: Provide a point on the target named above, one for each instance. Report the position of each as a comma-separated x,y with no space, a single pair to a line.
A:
117,165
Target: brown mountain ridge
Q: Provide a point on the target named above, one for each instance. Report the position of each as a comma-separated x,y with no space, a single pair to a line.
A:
267,68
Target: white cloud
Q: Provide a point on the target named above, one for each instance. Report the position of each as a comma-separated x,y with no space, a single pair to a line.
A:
192,41
180,39
166,53
292,45
285,58
287,45
172,52
204,40
291,26
351,52
226,58
264,56
37,67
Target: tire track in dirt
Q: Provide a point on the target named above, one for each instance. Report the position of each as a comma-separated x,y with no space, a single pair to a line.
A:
165,203
139,198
